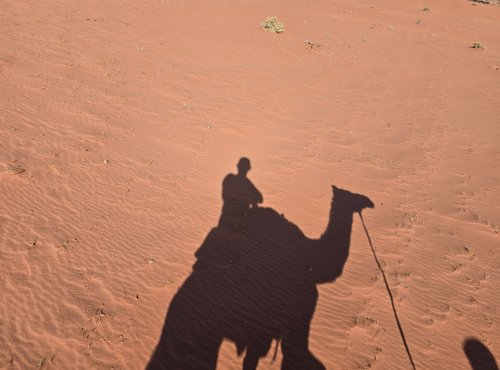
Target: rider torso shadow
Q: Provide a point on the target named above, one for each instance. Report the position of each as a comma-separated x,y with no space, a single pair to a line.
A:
255,281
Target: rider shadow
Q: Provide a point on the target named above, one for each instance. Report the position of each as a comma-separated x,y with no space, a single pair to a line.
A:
254,281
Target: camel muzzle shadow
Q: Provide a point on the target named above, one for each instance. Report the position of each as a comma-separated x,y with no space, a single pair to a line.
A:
253,284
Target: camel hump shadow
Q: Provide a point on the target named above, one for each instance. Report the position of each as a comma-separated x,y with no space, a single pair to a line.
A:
254,285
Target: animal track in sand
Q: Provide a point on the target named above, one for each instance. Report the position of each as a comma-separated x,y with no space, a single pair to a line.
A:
460,258
457,266
367,323
399,287
436,314
487,320
92,336
471,300
93,332
47,360
481,220
403,275
367,363
463,251
68,245
407,220
476,282
410,218
431,346
374,278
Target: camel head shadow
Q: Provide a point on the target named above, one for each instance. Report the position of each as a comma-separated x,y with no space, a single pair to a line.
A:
256,285
356,202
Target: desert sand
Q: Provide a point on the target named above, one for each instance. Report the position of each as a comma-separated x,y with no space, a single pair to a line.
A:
119,121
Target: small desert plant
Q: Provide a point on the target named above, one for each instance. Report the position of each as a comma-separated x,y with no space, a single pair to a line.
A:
426,9
15,169
272,24
477,45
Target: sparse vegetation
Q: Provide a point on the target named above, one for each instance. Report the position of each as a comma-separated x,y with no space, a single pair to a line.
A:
478,45
426,9
272,24
15,169
312,44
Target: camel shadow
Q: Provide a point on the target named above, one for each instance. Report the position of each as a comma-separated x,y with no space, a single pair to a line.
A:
255,283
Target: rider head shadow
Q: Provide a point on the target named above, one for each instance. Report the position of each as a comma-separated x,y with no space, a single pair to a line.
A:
254,281
479,356
239,195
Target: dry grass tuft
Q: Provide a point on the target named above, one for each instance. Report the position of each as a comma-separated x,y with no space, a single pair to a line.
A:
272,24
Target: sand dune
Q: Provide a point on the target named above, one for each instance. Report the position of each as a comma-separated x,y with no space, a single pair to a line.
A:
120,120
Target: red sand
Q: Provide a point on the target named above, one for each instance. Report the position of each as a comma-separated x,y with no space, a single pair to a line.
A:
126,116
